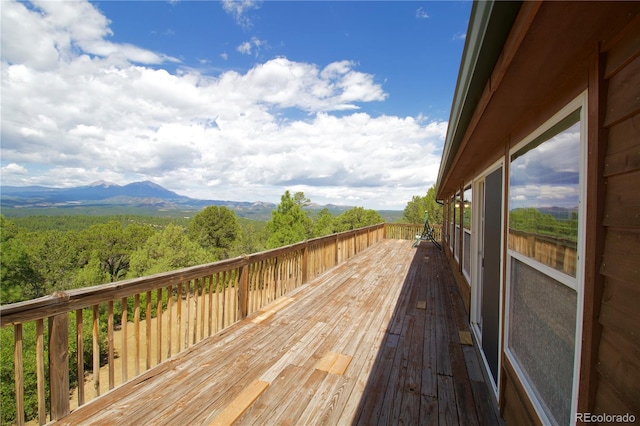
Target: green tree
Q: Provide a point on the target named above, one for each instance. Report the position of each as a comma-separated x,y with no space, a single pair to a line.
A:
215,229
356,217
54,256
166,251
323,224
414,211
112,244
251,239
90,274
289,223
16,265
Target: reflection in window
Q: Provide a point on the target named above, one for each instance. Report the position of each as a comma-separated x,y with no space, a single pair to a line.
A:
466,203
543,196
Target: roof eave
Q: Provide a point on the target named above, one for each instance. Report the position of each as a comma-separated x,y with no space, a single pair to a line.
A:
489,25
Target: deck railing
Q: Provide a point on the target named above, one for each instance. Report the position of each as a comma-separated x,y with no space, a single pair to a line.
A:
118,330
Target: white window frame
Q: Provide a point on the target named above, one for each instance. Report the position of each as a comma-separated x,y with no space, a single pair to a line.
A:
577,282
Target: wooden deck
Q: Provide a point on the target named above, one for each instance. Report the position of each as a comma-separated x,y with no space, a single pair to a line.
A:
377,340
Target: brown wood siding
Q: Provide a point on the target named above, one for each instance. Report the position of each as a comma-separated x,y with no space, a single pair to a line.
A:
618,358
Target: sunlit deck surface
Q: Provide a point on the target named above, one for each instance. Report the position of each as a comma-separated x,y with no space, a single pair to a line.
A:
374,341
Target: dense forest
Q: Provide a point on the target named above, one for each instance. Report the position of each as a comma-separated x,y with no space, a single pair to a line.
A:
44,254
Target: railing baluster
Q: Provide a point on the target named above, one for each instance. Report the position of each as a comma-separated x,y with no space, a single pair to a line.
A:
96,351
170,319
179,313
202,306
148,329
136,330
42,405
210,302
17,373
195,310
111,349
188,319
80,356
159,327
124,323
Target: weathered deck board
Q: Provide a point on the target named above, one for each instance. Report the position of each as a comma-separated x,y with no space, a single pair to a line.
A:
353,346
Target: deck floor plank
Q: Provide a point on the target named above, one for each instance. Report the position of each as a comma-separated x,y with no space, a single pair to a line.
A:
386,323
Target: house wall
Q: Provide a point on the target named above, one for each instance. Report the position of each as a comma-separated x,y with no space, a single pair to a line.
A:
618,354
610,353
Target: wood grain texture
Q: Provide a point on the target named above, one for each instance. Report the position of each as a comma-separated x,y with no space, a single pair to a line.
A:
326,354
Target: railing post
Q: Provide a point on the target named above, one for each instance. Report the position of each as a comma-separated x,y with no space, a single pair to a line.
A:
59,365
244,289
305,262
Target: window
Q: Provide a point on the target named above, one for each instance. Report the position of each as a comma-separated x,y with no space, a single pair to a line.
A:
466,242
544,281
452,223
456,227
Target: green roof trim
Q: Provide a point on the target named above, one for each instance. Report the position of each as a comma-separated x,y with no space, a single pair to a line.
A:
489,25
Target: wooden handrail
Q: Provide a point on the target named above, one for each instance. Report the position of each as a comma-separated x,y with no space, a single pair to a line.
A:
192,303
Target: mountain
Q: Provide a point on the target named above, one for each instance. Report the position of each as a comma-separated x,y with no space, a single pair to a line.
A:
137,197
137,194
96,191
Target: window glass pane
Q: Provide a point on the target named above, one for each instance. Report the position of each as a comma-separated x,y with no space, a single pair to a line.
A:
542,336
456,213
452,221
543,196
466,256
466,203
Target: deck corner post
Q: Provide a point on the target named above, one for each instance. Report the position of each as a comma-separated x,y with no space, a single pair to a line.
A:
59,365
244,288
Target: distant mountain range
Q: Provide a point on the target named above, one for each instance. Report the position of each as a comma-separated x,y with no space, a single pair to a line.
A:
136,194
135,198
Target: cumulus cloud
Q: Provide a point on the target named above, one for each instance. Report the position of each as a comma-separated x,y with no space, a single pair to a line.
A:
73,116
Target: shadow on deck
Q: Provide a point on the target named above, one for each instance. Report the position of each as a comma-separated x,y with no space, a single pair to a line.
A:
427,371
376,340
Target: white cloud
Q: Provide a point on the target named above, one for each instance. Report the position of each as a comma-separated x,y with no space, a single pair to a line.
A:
14,169
421,13
70,117
459,36
244,48
239,9
253,45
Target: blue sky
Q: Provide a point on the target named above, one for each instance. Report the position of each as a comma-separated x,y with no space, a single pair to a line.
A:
345,101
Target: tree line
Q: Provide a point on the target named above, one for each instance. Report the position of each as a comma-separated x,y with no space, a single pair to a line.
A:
36,263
